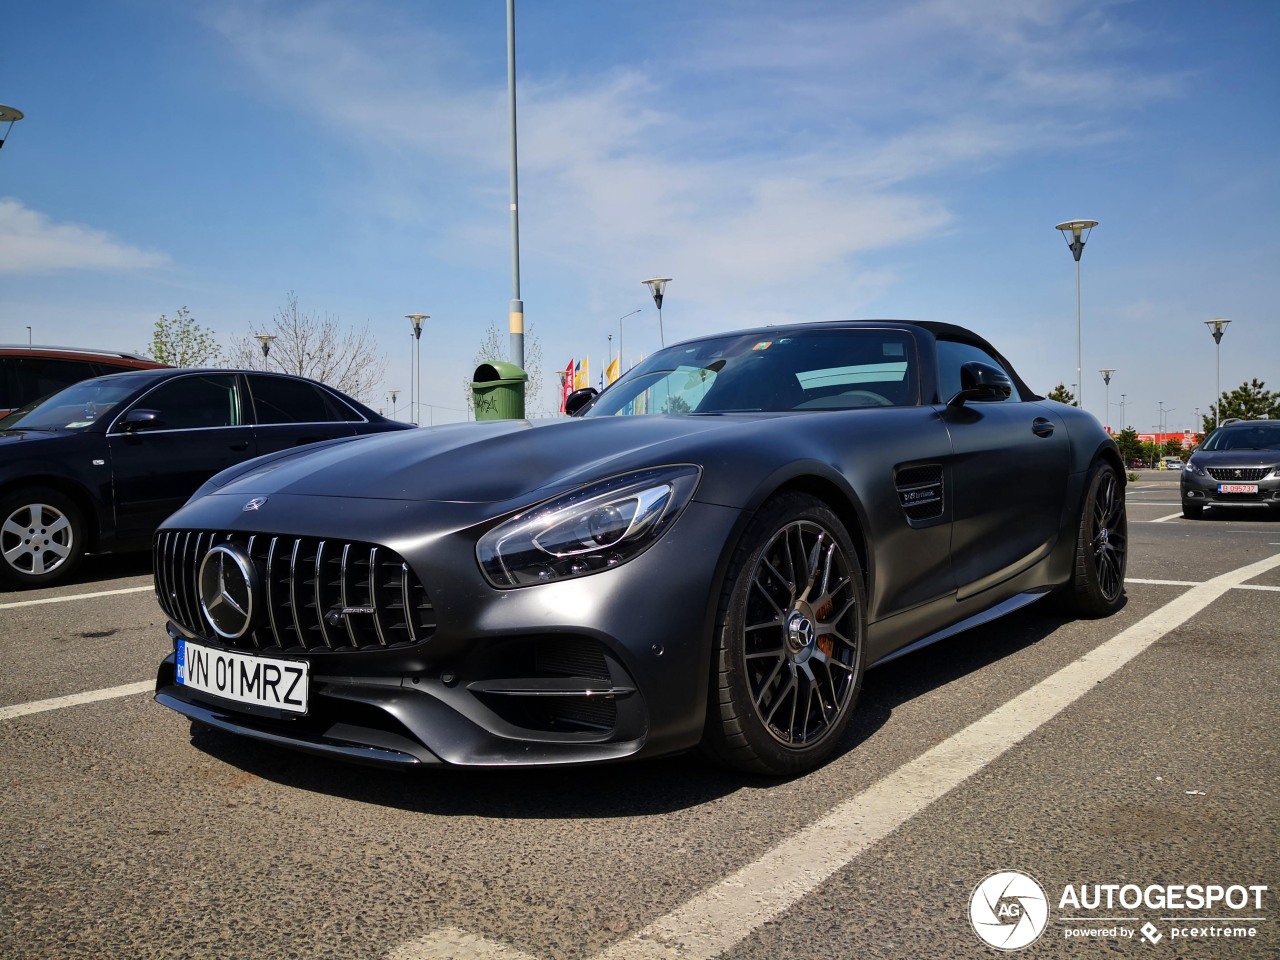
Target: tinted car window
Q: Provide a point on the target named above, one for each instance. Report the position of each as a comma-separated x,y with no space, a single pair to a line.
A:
1259,436
38,376
824,369
277,400
187,403
77,407
952,356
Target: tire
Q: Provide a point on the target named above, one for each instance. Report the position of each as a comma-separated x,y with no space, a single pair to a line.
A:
42,537
1102,547
1192,511
790,637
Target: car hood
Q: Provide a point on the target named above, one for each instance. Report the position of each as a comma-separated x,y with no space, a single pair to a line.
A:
486,462
1235,458
10,438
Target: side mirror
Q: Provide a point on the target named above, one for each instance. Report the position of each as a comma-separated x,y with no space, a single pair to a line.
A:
139,419
579,400
981,383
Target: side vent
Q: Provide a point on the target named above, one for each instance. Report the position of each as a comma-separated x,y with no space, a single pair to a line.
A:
920,492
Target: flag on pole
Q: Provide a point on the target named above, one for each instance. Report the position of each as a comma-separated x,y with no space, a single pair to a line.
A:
611,374
583,379
566,384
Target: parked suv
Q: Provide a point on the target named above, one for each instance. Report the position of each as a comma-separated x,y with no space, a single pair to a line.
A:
29,373
96,467
1238,465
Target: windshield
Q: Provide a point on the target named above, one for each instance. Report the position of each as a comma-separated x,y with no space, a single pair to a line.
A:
1257,436
822,369
77,407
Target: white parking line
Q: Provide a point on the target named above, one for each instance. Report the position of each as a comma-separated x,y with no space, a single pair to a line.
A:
726,913
74,596
1172,516
76,699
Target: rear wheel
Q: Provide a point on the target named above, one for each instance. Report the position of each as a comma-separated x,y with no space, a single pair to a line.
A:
41,537
1102,546
790,638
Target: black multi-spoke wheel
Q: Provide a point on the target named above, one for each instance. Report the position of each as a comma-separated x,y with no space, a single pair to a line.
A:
41,537
789,641
1102,545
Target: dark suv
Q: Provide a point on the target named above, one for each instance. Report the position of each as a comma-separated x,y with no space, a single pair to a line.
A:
1238,465
29,373
97,466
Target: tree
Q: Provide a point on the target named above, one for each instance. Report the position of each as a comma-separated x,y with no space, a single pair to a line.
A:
1062,395
181,342
1249,401
1129,444
315,347
497,346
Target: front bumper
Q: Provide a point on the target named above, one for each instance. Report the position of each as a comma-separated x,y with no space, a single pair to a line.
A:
1205,491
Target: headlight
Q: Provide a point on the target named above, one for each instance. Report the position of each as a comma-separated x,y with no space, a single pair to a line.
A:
1195,468
592,528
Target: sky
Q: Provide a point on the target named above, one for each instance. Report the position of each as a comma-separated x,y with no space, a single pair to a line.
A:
804,160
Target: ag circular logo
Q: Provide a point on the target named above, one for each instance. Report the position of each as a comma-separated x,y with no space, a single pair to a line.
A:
1009,910
228,582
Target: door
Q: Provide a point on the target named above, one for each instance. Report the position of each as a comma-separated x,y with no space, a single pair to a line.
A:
169,442
291,412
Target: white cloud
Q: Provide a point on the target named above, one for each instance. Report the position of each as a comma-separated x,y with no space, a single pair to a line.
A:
30,242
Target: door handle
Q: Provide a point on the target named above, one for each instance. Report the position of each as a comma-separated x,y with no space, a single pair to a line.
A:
1042,427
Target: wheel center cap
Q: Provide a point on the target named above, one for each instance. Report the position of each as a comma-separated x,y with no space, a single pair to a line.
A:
800,633
1104,536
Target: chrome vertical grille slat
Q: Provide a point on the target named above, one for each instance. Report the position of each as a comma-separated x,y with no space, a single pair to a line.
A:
302,579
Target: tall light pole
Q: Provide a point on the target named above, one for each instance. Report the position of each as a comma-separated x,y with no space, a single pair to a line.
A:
1217,327
620,319
9,115
1123,425
517,305
1106,379
415,385
264,339
657,286
393,394
1076,232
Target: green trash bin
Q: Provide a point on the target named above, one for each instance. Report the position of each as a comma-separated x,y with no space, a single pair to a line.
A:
497,388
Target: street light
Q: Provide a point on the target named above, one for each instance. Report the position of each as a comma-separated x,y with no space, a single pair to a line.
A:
1106,378
415,384
1076,232
1123,425
657,286
620,319
264,339
9,115
1218,328
393,394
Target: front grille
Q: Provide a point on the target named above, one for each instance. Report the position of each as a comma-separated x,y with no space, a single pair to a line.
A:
1238,474
315,594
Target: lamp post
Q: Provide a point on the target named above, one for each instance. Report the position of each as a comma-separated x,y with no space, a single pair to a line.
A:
415,385
1076,232
657,286
1122,423
1217,327
1106,379
517,305
9,115
620,319
28,335
393,394
264,339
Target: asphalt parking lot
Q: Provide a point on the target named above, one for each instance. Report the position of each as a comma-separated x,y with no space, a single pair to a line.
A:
1124,765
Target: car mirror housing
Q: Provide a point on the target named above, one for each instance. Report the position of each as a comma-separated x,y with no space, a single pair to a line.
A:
579,400
982,383
140,419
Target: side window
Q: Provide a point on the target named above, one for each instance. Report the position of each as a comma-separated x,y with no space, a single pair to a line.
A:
190,403
952,356
38,376
281,400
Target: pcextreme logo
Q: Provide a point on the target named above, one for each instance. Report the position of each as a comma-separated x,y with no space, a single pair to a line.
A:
1009,910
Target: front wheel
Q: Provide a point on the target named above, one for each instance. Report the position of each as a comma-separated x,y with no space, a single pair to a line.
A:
41,537
1192,511
790,640
1102,546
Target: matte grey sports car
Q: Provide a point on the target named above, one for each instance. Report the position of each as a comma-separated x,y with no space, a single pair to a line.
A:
710,555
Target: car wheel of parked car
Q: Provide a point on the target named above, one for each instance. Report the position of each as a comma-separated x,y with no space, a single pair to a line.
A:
1192,511
790,637
1102,546
41,536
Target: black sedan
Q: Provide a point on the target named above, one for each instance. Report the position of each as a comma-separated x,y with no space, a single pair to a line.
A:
710,555
96,467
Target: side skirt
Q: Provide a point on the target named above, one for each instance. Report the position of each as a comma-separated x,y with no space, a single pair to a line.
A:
985,616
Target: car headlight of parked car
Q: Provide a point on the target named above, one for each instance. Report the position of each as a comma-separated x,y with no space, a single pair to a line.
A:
587,530
1195,468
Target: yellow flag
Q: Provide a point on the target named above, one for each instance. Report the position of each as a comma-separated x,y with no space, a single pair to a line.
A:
611,372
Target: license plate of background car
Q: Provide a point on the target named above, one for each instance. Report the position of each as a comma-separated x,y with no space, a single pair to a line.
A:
259,681
1237,488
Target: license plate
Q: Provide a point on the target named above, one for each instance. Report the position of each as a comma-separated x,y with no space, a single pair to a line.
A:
260,681
1237,488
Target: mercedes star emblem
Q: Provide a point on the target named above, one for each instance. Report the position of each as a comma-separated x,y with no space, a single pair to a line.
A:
227,584
253,504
